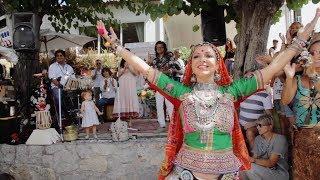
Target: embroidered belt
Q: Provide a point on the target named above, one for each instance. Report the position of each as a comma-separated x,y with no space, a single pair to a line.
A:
204,161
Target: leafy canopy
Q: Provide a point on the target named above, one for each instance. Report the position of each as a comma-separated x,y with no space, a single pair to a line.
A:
64,14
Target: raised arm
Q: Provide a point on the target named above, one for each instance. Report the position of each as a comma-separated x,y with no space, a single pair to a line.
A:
170,87
134,61
290,85
285,56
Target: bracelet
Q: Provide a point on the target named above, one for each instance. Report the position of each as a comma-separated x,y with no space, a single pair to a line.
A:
118,49
296,47
115,44
302,43
261,79
149,71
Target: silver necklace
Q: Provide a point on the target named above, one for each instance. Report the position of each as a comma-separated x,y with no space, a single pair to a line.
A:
205,109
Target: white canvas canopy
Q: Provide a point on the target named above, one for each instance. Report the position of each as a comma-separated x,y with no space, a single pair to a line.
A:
9,54
51,40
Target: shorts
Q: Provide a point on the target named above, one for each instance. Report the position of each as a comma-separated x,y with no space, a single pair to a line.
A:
288,111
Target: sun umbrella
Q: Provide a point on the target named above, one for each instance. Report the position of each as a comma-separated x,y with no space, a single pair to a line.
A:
9,54
51,40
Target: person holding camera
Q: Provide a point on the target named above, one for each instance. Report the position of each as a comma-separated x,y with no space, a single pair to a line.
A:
59,73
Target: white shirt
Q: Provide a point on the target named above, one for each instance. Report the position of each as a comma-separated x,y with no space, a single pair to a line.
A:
109,91
99,78
57,70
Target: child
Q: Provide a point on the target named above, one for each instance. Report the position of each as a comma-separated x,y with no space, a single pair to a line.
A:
89,115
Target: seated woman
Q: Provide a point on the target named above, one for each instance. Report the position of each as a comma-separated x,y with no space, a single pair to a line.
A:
269,159
108,89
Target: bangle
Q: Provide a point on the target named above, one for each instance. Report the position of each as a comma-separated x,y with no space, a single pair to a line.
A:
296,47
302,43
118,49
149,71
115,44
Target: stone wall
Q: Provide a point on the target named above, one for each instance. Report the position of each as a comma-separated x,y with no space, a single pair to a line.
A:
135,159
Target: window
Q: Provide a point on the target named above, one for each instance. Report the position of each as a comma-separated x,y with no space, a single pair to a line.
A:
132,32
3,23
297,16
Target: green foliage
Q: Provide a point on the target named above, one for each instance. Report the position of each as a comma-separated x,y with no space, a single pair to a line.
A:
195,28
297,4
277,16
65,14
184,53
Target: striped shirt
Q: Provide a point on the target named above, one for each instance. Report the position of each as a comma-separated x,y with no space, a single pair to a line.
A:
254,106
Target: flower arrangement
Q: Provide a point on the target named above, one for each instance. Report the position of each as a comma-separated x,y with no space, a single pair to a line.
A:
146,94
108,59
39,97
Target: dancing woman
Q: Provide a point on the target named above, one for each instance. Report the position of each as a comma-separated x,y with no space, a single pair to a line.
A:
204,138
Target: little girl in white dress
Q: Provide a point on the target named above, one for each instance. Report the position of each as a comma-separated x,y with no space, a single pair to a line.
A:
89,114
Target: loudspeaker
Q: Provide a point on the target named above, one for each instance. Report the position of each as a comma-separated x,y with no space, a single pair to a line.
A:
213,25
25,31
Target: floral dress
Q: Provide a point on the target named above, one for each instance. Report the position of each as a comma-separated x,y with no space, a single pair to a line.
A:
306,106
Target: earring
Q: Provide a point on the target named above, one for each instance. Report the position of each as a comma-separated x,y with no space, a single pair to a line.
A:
217,77
193,78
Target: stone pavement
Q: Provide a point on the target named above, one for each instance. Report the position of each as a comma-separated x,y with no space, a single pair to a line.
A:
146,128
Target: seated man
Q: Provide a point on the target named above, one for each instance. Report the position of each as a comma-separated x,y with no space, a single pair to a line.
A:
269,159
251,109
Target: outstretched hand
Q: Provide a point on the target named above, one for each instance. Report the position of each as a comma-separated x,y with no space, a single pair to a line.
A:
110,36
305,33
283,39
290,70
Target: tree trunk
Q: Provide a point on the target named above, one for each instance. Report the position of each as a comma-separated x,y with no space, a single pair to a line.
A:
255,21
27,65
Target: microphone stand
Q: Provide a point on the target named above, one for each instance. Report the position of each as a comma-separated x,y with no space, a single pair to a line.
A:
60,118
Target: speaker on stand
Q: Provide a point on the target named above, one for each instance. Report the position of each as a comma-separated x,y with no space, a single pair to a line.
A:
25,31
213,24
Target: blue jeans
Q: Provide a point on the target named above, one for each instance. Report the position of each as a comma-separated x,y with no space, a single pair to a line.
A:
105,101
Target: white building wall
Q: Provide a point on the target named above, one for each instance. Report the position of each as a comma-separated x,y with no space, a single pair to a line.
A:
153,30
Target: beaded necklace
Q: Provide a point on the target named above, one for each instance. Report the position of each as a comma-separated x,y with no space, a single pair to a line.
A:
206,99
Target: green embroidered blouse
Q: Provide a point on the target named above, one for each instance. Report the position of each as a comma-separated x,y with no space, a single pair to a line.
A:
222,138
